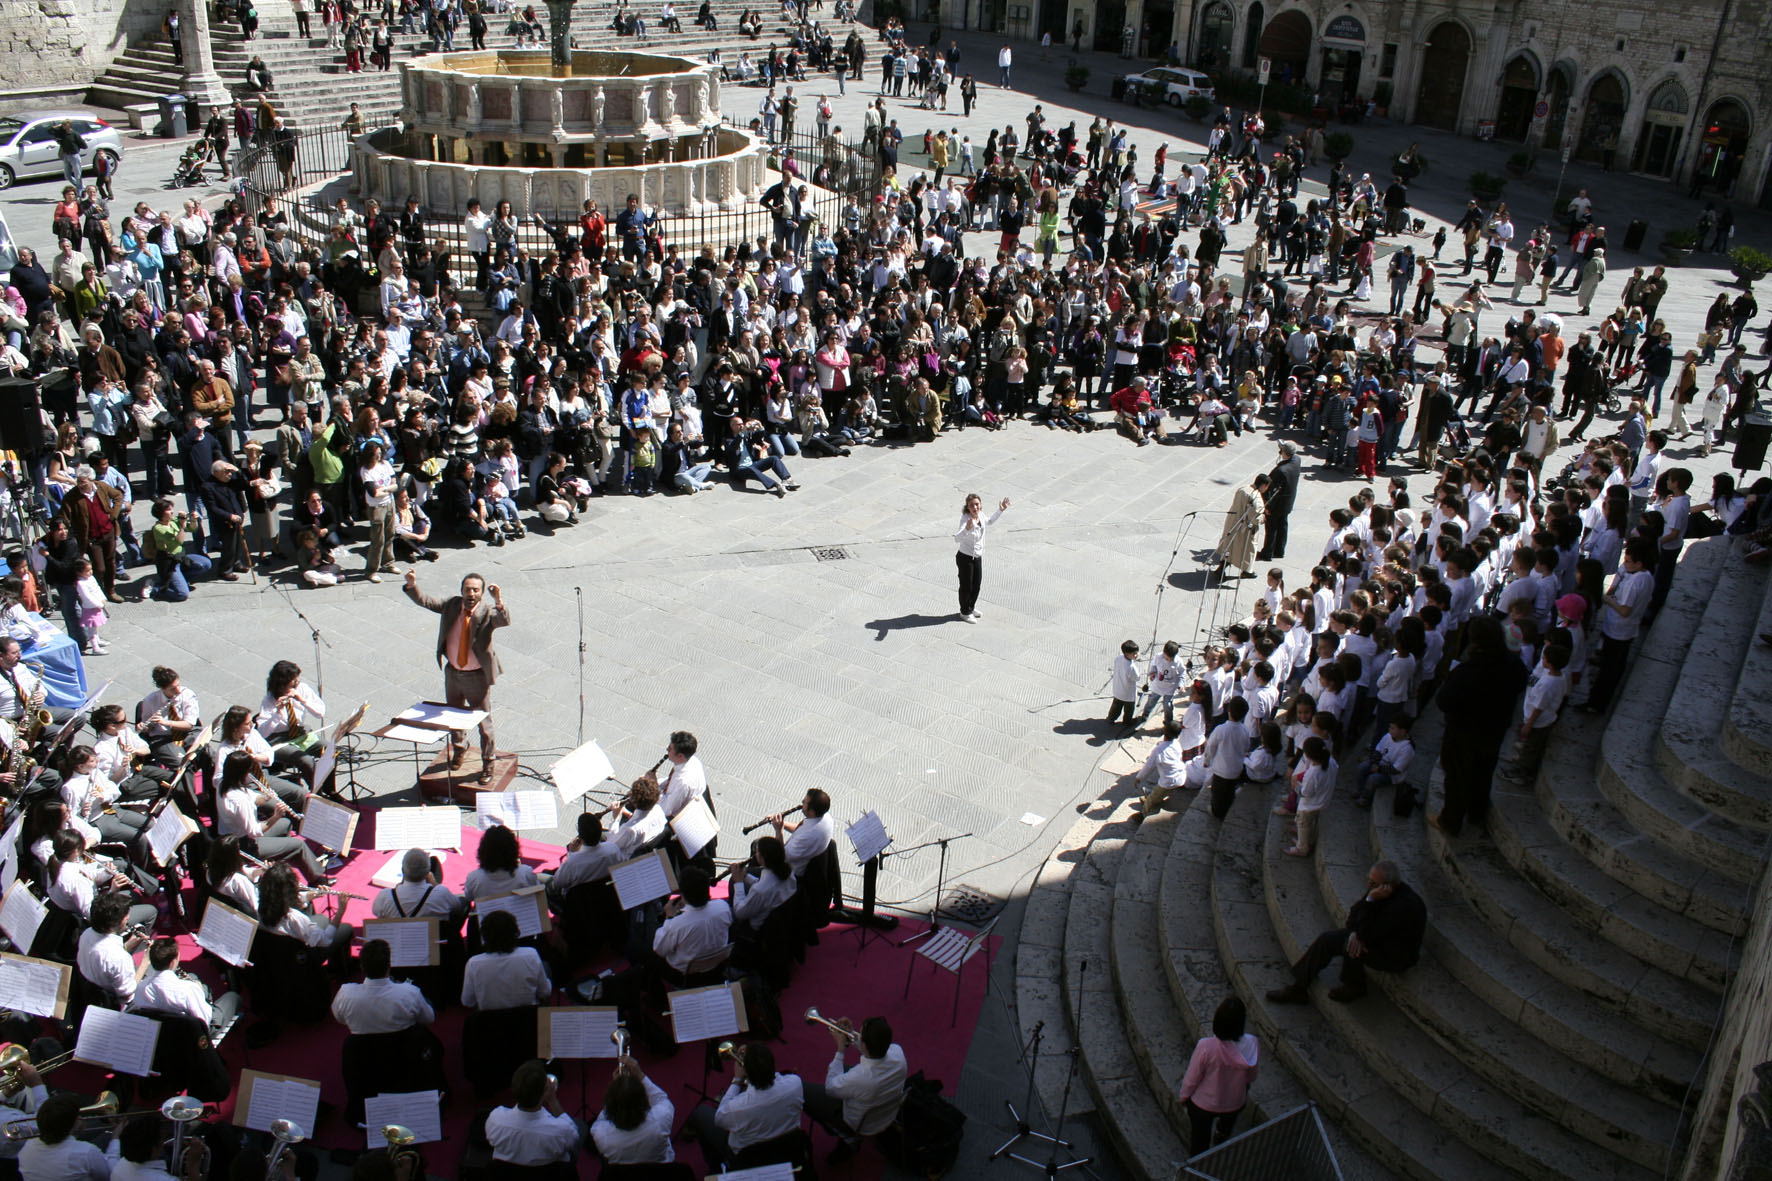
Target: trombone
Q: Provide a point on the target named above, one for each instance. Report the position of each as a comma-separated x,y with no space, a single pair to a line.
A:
619,1035
402,1142
107,1107
841,1025
13,1060
730,1051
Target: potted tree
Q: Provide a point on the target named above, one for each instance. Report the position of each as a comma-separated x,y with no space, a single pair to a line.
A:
1076,76
1381,99
1486,186
1197,107
1677,246
1338,145
1749,265
1519,164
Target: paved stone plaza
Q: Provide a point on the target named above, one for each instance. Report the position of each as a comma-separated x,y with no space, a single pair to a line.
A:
715,614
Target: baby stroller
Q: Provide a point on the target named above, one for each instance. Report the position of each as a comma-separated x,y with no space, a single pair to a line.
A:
189,170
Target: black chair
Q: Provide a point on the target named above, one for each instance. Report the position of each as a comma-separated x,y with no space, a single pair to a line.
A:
374,1063
821,888
287,979
185,1060
675,1171
57,935
494,1043
780,943
591,919
794,1148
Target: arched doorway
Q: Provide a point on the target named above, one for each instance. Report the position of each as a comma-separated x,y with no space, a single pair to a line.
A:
1519,94
1664,123
1218,24
1442,76
1287,43
1557,95
1602,120
1252,25
1727,127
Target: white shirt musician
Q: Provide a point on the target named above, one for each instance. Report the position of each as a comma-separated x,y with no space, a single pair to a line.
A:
863,1099
809,836
687,779
642,820
18,684
240,891
756,895
69,1158
589,857
300,709
166,989
23,1105
418,895
88,795
117,754
504,976
537,1131
377,1004
105,960
171,711
759,1105
634,1127
695,925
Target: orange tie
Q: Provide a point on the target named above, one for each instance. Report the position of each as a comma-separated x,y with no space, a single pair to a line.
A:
464,648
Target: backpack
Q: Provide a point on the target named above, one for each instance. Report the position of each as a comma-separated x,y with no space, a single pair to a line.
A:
925,1138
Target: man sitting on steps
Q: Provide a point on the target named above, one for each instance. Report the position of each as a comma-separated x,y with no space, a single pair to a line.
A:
1384,931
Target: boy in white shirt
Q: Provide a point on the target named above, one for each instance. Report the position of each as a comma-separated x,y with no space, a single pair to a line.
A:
1263,701
1621,619
1164,770
1571,610
1389,764
1125,684
1162,679
1544,698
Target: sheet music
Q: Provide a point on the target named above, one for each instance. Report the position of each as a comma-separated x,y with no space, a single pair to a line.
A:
521,906
420,735
31,986
326,764
581,771
450,717
699,1014
294,1099
170,830
868,837
20,916
409,940
227,932
430,826
327,824
783,1172
580,1032
390,873
9,853
639,881
695,826
349,725
518,811
121,1041
419,1111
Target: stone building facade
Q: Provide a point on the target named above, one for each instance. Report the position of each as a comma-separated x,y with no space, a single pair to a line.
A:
70,41
1664,91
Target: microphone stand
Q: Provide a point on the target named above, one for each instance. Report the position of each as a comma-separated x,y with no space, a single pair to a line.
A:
1050,1167
941,873
314,633
1030,1054
579,593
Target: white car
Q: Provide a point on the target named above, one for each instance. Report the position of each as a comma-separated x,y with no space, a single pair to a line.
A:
27,144
1178,84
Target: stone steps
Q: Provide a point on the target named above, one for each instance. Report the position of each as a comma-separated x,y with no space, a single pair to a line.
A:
140,74
1568,1063
1302,1038
1186,951
1747,731
1530,1136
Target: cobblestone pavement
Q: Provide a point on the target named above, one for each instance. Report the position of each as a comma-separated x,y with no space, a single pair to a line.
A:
717,614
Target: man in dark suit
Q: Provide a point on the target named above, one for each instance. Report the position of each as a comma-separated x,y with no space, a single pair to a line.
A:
464,649
1282,491
1384,932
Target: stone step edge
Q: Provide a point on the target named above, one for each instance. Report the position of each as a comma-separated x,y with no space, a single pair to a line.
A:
1471,1101
1747,730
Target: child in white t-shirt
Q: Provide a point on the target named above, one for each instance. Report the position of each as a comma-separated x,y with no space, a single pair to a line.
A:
1125,683
1544,698
1389,764
1162,680
1571,612
1314,782
1265,759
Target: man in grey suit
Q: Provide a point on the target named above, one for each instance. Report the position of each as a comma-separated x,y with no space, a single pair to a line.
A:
464,649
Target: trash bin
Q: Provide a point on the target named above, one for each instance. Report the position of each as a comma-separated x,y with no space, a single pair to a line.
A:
1633,237
172,116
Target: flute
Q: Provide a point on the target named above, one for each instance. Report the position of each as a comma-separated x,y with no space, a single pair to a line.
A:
753,827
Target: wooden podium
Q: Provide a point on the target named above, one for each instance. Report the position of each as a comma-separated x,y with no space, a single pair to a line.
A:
437,782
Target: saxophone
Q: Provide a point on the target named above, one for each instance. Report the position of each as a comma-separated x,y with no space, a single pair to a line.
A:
34,718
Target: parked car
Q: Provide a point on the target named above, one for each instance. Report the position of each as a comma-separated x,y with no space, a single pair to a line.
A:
1178,84
27,144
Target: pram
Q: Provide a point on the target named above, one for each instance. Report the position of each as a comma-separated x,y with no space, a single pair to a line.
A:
189,170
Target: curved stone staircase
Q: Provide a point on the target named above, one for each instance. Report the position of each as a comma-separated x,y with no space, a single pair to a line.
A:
1577,953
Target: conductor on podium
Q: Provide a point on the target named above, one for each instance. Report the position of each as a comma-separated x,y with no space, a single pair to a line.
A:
464,649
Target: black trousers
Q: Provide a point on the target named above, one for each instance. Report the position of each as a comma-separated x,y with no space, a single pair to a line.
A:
971,578
1207,1129
1331,944
1614,655
1469,776
1273,537
1224,794
1119,707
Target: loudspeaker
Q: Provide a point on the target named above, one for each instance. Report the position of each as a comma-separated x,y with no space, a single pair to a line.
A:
21,416
1750,448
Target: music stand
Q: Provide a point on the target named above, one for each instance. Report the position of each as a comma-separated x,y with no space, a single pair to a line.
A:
941,874
871,842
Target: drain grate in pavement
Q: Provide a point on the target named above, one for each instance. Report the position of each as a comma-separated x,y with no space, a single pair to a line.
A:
969,904
829,553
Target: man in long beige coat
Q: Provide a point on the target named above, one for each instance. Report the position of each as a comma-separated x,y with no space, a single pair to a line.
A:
1236,545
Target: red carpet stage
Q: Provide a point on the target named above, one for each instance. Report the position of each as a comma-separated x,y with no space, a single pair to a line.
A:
839,978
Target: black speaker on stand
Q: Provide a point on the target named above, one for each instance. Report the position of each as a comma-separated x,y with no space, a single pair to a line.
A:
21,416
1751,444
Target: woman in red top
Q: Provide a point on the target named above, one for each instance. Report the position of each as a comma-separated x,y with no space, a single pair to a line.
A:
594,225
1216,1085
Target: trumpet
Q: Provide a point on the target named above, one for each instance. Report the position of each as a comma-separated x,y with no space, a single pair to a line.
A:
13,1060
619,1035
750,828
841,1025
730,1050
181,1110
402,1142
107,1107
286,1132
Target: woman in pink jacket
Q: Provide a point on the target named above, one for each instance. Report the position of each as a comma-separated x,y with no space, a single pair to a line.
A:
1218,1076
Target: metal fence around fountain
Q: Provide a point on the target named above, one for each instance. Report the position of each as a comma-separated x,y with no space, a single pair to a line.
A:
295,169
